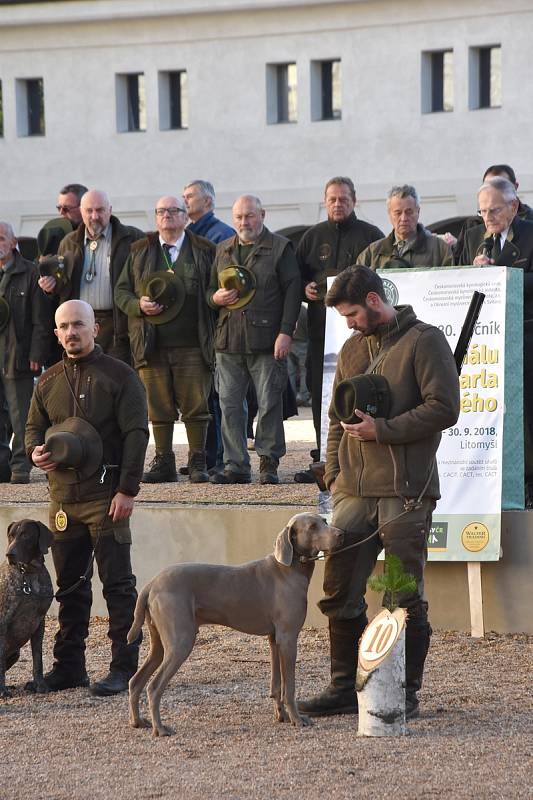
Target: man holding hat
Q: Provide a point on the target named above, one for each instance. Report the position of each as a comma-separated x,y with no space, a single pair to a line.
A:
255,285
94,255
381,469
88,430
25,342
162,290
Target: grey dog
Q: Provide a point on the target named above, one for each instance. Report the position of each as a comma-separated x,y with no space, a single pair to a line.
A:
25,596
266,597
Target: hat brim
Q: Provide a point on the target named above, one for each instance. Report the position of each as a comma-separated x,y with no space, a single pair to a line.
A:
49,266
173,310
95,450
227,275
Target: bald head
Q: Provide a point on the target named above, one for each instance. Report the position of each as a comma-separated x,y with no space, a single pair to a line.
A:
95,211
170,217
76,328
248,216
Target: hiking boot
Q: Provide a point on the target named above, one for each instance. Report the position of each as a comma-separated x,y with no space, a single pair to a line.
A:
412,709
60,678
113,683
268,470
340,696
20,477
304,476
162,469
228,476
198,467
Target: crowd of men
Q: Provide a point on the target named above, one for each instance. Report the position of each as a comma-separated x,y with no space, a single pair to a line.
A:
199,313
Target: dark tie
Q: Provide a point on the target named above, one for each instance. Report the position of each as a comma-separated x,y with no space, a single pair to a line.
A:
168,257
497,248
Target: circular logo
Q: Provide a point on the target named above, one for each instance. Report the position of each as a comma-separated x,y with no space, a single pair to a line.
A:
475,537
379,637
390,291
61,520
324,252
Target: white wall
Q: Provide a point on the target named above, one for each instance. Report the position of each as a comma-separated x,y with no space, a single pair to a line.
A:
383,138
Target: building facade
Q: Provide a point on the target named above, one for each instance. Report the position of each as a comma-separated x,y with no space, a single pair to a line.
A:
271,97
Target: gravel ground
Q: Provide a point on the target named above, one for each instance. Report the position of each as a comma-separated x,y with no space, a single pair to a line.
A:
473,738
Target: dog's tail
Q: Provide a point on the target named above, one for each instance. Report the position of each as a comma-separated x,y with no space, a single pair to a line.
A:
139,615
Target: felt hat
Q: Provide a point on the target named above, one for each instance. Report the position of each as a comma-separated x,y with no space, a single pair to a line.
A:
58,267
4,313
240,278
51,233
76,446
168,290
369,393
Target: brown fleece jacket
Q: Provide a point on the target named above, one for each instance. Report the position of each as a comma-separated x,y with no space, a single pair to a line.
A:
424,385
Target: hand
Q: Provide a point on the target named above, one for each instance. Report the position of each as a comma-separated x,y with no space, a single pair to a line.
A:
35,366
121,506
149,307
482,261
311,291
47,283
225,297
365,431
41,458
282,345
449,238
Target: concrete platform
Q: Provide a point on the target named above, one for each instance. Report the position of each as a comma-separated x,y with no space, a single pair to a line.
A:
232,524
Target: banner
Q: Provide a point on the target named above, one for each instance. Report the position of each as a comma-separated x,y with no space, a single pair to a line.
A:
481,458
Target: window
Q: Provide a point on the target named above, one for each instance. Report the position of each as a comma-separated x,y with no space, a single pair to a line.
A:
437,81
173,100
1,112
131,102
326,85
29,93
282,93
486,77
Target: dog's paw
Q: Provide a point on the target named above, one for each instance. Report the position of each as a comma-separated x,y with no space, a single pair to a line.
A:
301,721
280,715
140,722
36,687
162,730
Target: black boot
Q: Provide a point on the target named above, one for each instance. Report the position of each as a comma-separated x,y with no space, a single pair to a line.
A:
197,467
162,469
340,696
417,637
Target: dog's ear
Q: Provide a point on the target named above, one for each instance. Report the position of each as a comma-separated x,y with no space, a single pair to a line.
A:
283,551
45,537
10,527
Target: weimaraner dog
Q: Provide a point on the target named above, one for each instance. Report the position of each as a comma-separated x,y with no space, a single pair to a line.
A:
266,597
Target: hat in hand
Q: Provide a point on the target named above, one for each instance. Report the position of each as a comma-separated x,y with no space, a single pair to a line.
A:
168,290
240,278
369,393
76,446
51,233
57,267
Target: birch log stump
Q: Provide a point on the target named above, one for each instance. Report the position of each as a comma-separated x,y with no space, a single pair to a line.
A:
381,676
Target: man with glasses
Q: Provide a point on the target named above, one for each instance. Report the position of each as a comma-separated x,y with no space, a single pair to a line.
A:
507,240
171,333
94,255
68,202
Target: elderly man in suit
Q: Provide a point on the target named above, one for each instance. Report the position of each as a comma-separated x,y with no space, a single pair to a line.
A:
507,240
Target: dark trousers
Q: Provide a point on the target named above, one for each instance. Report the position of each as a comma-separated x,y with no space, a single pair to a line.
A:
17,394
71,557
314,365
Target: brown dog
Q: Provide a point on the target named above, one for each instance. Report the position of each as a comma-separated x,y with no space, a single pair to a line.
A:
266,598
25,596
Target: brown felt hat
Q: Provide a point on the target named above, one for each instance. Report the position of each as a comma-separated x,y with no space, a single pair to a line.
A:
168,290
368,393
76,446
240,278
58,267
